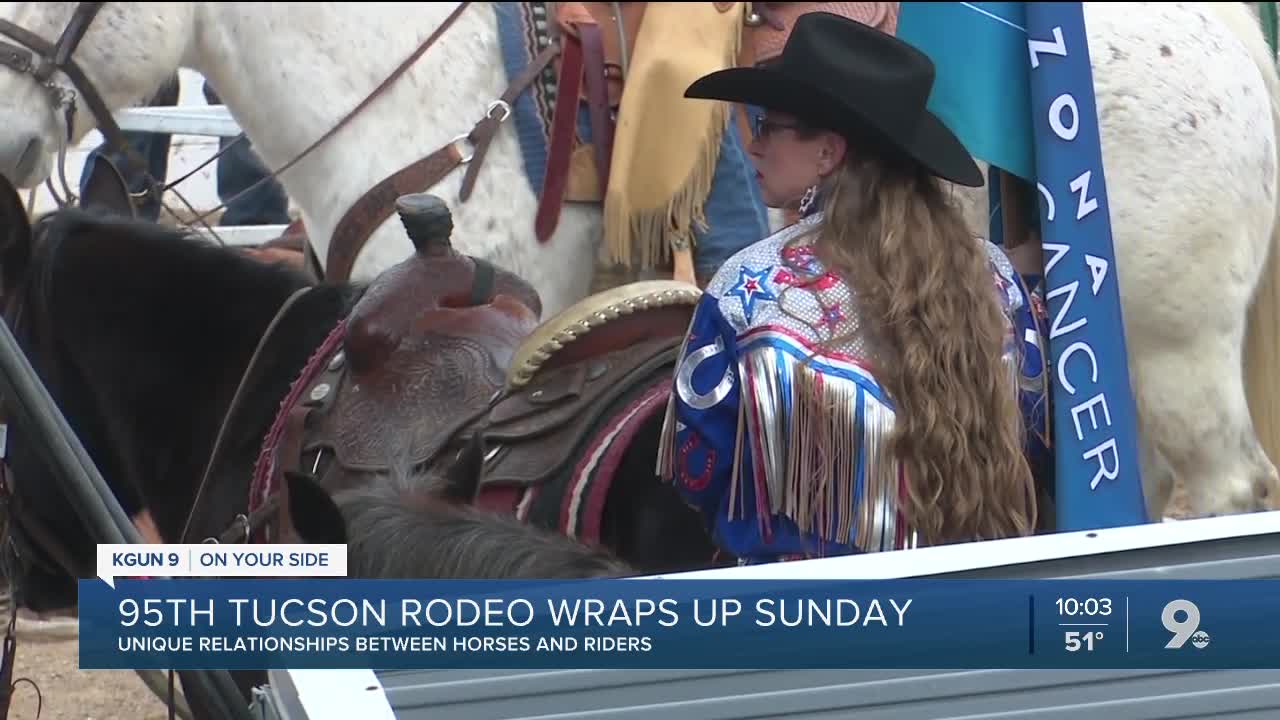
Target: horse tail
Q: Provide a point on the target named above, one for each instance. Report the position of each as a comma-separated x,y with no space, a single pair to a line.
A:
1262,338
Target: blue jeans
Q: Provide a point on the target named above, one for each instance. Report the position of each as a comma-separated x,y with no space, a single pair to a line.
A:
735,208
239,168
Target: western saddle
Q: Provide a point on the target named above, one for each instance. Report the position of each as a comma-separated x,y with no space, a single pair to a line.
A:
443,346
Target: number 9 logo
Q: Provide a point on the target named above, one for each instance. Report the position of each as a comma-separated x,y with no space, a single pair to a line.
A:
1182,629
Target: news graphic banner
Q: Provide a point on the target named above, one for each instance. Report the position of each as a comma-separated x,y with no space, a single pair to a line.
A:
213,560
666,623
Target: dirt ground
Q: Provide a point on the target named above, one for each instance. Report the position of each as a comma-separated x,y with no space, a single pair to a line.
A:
50,659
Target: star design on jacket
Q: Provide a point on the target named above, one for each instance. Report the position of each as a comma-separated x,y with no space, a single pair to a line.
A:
752,286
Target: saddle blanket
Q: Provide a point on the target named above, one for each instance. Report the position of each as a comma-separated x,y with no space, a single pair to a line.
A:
735,213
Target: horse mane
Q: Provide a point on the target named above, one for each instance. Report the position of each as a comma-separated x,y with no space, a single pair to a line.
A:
166,257
141,331
408,525
395,532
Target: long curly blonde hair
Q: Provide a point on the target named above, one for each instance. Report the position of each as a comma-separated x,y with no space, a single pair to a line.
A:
925,288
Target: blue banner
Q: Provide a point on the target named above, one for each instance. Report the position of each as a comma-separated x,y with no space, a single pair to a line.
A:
761,624
1095,434
981,90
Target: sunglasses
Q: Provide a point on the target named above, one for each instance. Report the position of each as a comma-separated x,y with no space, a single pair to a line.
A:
762,127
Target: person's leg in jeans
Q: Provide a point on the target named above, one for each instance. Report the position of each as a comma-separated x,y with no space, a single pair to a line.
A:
735,210
152,147
240,168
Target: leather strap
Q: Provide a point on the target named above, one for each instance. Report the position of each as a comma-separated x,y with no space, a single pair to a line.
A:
234,407
288,457
483,279
390,79
597,99
378,204
55,57
72,34
559,150
485,130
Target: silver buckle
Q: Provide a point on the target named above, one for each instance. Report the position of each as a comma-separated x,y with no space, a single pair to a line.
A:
496,105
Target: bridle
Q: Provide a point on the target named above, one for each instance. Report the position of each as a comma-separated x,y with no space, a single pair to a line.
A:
42,60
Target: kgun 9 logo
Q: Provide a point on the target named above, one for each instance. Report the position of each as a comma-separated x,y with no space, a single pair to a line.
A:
1188,628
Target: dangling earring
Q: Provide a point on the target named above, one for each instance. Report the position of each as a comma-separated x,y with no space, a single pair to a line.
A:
806,201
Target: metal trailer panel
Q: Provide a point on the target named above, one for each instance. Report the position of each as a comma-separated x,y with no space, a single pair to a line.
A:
1217,548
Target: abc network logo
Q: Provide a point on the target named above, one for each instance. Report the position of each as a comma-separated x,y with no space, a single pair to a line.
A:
1182,618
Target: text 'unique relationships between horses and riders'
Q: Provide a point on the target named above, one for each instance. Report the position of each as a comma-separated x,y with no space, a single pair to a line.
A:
302,623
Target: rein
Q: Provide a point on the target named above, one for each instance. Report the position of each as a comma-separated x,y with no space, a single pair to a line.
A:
382,87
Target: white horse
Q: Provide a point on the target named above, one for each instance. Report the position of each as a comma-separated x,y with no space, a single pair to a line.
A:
1186,96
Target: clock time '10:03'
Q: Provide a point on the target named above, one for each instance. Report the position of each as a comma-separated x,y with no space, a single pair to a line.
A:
1071,607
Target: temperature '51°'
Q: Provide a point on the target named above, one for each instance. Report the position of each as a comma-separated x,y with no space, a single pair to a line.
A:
1076,639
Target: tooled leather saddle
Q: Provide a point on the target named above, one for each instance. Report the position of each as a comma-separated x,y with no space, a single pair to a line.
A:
444,346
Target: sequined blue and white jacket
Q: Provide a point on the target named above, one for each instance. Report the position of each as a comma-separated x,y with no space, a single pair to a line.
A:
787,458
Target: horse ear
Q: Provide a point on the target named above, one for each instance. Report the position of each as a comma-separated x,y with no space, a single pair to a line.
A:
462,481
15,235
106,190
314,515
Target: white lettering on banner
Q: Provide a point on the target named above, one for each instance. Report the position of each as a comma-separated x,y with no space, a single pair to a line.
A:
1066,355
205,560
1086,204
1064,102
150,612
1099,267
1065,121
465,612
1057,47
842,612
1056,329
1052,210
1099,455
1088,405
1056,252
317,613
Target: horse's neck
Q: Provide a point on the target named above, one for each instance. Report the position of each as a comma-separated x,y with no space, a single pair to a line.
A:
290,71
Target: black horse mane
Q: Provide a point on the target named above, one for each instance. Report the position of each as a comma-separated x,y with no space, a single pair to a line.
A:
141,332
422,525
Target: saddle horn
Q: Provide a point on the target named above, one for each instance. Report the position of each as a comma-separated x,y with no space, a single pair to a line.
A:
428,222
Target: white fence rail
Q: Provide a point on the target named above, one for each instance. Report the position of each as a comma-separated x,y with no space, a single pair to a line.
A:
195,127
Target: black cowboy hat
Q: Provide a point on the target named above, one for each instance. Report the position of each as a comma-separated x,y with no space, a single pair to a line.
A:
839,74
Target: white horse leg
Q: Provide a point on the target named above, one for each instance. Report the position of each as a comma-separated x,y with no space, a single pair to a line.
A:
1198,428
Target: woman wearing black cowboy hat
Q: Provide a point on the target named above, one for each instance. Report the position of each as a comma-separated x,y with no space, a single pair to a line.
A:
851,383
